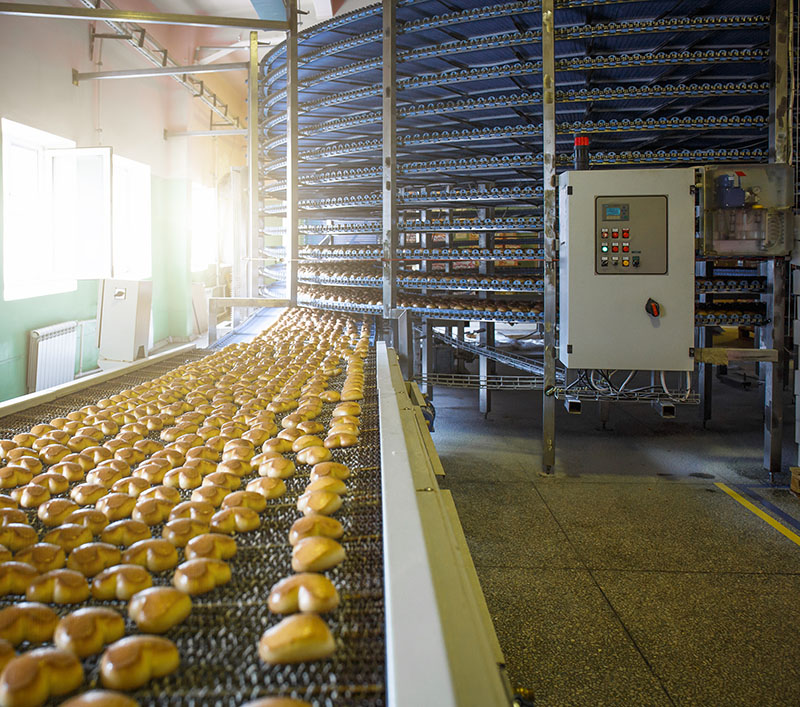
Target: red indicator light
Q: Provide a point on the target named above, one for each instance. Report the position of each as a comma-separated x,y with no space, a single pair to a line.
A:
625,248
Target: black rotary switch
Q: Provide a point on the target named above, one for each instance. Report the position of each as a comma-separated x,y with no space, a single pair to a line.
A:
653,308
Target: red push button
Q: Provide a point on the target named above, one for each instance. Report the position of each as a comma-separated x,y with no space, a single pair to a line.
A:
626,233
615,233
615,248
625,247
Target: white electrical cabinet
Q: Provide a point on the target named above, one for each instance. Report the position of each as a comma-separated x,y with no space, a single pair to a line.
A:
124,319
626,269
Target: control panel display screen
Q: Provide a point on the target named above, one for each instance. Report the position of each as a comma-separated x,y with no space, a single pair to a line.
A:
631,235
616,212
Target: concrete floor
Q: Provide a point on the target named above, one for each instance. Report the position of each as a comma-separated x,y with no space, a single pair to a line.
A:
628,577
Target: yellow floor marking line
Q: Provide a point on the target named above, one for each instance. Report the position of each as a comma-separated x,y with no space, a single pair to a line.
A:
780,527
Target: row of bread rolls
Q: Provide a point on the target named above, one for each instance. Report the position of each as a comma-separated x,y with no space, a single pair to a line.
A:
111,493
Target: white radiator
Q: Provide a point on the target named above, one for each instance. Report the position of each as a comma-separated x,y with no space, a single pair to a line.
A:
51,355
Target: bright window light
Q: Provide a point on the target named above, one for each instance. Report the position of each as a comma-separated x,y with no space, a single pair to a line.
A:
32,253
204,227
132,237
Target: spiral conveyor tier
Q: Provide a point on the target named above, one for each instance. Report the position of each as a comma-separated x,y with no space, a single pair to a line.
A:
650,82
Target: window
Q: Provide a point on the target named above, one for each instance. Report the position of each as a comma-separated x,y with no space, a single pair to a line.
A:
30,253
204,227
132,229
56,212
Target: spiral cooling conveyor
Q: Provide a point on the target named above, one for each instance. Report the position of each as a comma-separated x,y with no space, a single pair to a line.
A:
650,83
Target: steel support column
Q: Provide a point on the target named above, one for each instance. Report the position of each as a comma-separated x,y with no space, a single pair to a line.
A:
550,236
253,230
776,270
389,185
292,235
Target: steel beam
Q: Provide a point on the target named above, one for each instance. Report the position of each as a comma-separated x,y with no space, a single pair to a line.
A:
206,133
550,236
292,235
253,230
142,18
77,77
776,270
389,186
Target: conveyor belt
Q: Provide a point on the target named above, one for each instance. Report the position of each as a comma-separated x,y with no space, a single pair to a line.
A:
218,642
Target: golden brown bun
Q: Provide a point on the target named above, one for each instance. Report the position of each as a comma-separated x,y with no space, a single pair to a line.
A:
121,582
133,661
31,464
296,639
91,518
165,493
153,471
151,511
31,495
197,510
116,506
71,471
156,554
56,511
309,427
235,520
279,445
148,446
125,532
58,587
201,575
204,466
93,558
223,479
106,474
86,631
334,469
133,486
235,466
277,468
305,441
323,503
313,455
245,499
7,502
43,556
32,678
54,483
330,396
327,483
210,494
210,545
68,536
267,487
13,515
290,435
15,577
7,652
204,452
158,609
316,554
87,494
347,408
183,477
340,440
27,621
182,530
97,454
173,456
313,526
100,698
306,592
5,555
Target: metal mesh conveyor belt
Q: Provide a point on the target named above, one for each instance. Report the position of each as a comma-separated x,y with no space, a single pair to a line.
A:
218,642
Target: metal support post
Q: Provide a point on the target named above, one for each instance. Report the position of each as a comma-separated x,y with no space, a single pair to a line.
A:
428,353
486,366
550,236
705,371
405,338
253,230
292,235
389,185
776,270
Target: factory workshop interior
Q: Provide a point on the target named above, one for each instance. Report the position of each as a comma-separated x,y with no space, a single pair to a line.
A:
409,353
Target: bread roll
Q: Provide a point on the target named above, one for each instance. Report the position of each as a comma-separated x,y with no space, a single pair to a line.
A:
6,445
13,515
133,661
86,631
278,445
313,455
224,479
31,495
210,494
7,652
73,467
125,532
334,469
306,592
316,554
347,408
153,471
277,468
319,503
158,609
98,454
173,456
297,639
58,587
197,510
93,558
204,466
7,502
69,536
27,621
116,506
15,577
183,477
87,494
201,575
5,555
182,530
54,453
309,427
206,453
106,476
330,396
91,518
156,554
133,486
327,483
235,466
268,487
121,582
34,677
30,463
235,520
100,698
24,439
165,493
212,546
245,499
148,446
290,435
341,427
43,556
13,476
305,441
54,483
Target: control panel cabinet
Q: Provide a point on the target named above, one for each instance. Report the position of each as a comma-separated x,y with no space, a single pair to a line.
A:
626,269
